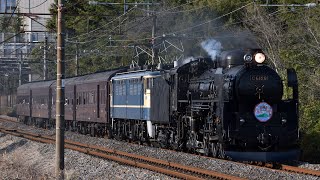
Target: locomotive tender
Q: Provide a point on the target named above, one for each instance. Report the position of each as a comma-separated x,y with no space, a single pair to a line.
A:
231,107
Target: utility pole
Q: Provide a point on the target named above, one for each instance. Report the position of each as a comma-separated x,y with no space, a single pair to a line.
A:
77,61
124,6
20,68
154,26
45,49
60,100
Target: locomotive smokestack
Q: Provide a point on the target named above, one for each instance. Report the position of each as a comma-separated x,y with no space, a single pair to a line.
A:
212,47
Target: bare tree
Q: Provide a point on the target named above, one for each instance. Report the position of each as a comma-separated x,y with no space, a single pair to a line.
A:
269,33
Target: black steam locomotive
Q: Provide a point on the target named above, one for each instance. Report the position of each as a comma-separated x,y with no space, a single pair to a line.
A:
231,107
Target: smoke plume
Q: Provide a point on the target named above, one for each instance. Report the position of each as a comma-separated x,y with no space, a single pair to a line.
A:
212,47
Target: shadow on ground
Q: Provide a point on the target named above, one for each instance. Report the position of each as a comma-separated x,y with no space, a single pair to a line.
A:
13,146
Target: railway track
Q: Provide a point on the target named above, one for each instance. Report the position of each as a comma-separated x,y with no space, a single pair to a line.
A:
176,167
164,167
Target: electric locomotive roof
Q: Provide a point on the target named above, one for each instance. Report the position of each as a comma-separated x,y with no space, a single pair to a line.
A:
136,74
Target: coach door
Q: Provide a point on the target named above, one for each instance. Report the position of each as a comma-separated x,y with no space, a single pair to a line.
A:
74,103
30,103
98,101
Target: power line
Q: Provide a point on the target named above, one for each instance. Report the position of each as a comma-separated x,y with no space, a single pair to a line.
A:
172,12
34,6
308,5
32,19
142,39
101,26
8,22
105,35
4,41
206,22
189,2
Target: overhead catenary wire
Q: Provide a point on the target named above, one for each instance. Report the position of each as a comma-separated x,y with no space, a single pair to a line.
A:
273,13
33,6
5,25
206,22
142,39
102,26
170,33
224,26
123,15
172,12
106,35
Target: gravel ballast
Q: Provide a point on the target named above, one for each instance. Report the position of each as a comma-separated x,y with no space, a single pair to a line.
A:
81,166
24,159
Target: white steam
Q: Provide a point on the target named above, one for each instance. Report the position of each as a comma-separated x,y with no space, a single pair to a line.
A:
212,47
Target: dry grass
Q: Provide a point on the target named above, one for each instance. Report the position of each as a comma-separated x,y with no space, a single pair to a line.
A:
13,168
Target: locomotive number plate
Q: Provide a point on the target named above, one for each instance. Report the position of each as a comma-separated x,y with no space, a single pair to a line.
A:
259,77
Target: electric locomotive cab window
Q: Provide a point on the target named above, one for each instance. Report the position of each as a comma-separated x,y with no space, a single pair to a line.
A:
139,86
131,87
134,85
148,83
120,89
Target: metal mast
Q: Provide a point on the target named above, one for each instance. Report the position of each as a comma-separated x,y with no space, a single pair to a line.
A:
45,49
60,92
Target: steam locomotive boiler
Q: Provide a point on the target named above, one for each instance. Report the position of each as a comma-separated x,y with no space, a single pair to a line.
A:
233,107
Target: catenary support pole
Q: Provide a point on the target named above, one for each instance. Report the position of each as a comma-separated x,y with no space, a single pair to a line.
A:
45,49
60,92
77,60
154,28
20,68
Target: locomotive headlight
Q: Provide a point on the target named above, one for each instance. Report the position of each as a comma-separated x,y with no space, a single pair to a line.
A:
283,121
242,121
259,58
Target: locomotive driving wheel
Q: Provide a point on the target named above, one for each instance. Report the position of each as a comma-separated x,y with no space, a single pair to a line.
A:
210,148
214,150
207,148
220,150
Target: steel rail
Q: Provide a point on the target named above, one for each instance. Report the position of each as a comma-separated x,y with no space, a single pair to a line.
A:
161,166
278,167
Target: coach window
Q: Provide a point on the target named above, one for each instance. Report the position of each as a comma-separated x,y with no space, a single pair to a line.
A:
94,97
91,98
103,97
42,100
84,98
79,98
